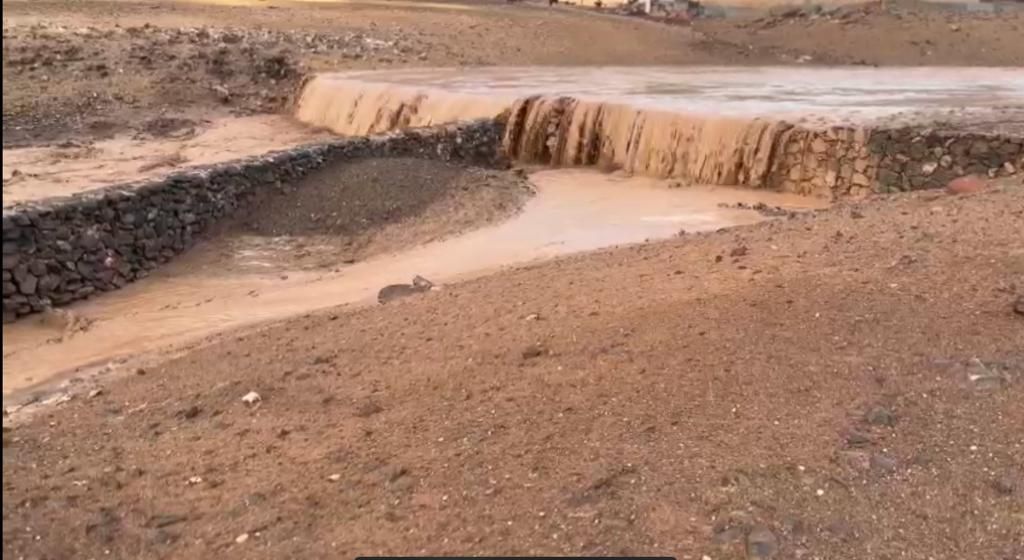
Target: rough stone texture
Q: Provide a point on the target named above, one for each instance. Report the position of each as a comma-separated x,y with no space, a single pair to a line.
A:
62,250
840,162
65,249
826,163
829,163
915,158
966,185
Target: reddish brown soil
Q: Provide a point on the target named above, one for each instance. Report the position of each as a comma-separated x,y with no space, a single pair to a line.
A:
844,385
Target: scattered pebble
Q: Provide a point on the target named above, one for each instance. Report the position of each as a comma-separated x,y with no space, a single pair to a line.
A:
368,408
240,539
880,416
191,412
857,439
965,185
534,351
762,543
739,251
883,463
1004,485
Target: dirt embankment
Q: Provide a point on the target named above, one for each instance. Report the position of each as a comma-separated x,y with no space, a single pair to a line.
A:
94,82
843,385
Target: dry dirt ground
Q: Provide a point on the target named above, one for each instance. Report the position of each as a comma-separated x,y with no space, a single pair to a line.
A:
843,385
903,34
80,71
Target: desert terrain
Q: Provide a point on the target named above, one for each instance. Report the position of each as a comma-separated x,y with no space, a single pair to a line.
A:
818,379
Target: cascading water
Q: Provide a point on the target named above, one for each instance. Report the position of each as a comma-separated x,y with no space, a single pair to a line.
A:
565,131
794,130
354,108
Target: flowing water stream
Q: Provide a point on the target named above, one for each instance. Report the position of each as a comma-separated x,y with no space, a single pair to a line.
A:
710,125
572,211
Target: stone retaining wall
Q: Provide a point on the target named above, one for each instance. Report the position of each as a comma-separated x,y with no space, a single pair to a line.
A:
61,250
824,163
913,158
759,153
855,162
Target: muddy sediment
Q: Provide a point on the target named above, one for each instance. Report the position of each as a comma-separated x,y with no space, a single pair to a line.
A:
250,274
167,146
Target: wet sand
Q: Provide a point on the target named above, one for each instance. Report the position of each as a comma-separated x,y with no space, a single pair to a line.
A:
573,211
62,170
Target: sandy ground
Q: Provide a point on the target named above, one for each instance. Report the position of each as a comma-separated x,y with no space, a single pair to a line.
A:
900,34
843,385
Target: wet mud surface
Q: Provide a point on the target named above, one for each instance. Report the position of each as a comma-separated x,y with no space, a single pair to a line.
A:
293,253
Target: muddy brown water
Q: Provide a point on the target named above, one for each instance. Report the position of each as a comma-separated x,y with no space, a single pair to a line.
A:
360,102
718,126
62,170
711,121
573,210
